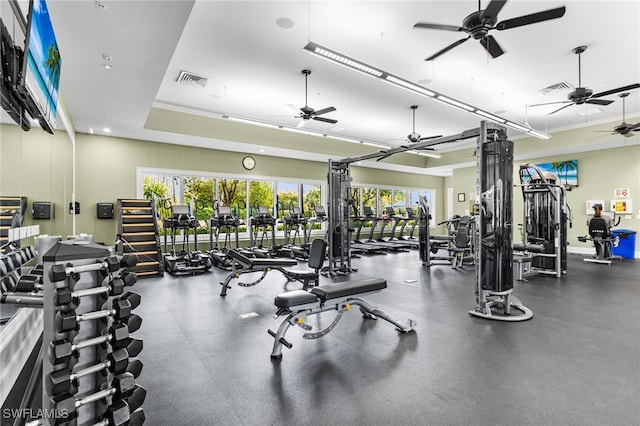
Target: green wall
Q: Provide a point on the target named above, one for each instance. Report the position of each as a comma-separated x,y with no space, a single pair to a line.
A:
599,173
106,171
37,165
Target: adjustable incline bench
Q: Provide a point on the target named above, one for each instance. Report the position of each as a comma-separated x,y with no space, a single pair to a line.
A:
299,304
251,264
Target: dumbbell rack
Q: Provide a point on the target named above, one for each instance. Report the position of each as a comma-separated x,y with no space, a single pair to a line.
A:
77,279
9,208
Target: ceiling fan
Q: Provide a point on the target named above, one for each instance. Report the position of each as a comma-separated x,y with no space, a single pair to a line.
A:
584,95
479,23
308,113
624,128
414,137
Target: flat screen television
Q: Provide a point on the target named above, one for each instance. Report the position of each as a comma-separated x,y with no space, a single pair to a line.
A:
41,67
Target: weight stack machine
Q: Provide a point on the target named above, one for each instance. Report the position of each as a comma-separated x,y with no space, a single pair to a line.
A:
89,369
339,212
545,219
493,242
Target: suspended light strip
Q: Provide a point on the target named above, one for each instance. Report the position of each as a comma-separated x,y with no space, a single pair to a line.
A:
253,122
329,54
302,131
371,71
408,85
489,116
454,103
377,145
517,126
538,134
426,154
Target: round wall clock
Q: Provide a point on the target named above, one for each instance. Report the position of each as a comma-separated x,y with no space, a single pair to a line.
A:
248,162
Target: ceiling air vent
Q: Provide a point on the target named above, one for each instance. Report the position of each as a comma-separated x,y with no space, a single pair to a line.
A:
192,79
565,85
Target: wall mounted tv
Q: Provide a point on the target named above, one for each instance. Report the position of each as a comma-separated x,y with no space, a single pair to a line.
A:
41,68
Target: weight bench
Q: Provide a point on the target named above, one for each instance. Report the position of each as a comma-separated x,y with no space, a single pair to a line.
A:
244,265
300,304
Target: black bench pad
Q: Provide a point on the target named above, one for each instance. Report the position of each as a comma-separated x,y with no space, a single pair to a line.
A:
351,288
253,262
294,298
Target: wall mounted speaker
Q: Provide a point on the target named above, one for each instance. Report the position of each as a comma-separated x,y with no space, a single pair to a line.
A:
105,210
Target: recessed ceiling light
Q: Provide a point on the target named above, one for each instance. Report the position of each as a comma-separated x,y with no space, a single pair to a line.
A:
424,81
262,150
101,5
90,130
106,130
106,66
106,57
285,23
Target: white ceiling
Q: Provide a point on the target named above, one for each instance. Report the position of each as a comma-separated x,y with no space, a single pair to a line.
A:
255,65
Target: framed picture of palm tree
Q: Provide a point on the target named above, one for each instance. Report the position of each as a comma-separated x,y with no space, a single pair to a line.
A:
566,171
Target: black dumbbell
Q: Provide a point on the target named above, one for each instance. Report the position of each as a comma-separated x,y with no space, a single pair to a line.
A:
137,418
66,405
135,367
136,397
128,412
60,272
64,381
61,350
129,278
133,321
133,298
28,283
129,260
112,287
68,320
133,346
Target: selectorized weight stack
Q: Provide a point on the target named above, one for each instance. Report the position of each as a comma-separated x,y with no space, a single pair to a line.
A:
544,236
339,231
493,242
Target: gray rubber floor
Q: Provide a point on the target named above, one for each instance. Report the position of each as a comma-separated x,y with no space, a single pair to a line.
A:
577,362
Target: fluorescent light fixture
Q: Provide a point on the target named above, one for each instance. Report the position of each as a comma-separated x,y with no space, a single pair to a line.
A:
408,85
340,138
455,103
371,71
377,145
106,130
517,126
492,117
329,54
426,154
249,121
539,134
302,131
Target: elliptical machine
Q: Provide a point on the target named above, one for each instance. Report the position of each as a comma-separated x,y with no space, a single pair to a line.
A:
262,224
222,221
295,245
183,261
